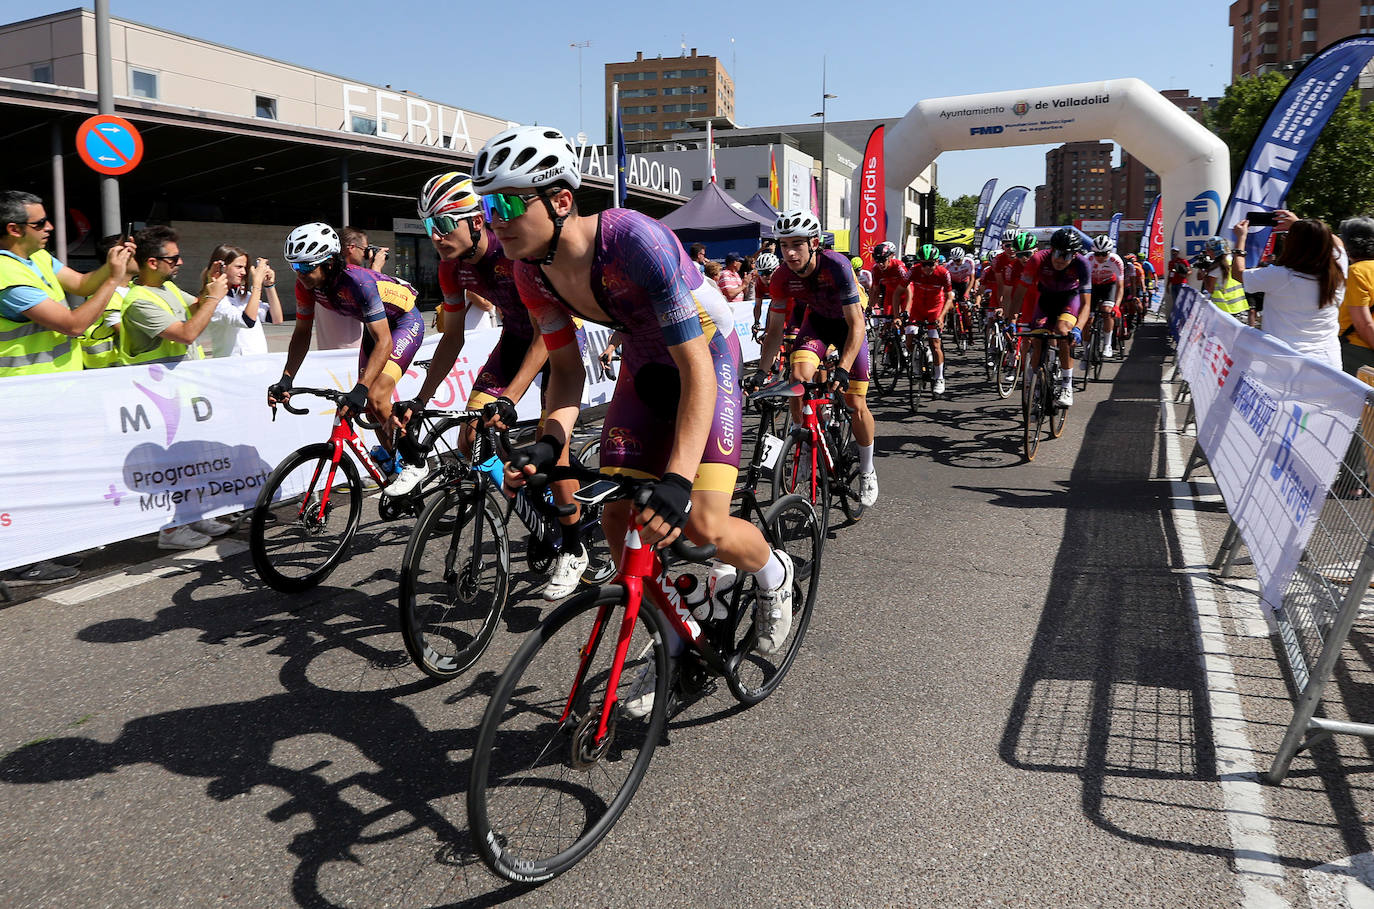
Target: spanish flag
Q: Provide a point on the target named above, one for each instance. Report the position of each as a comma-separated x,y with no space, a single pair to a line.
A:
772,179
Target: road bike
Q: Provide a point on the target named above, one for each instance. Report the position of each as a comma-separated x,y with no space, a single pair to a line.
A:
961,319
922,357
1038,402
455,576
890,363
819,460
1002,356
1094,344
309,509
567,736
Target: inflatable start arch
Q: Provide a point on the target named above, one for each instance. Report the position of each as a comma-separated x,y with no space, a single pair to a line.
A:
1193,164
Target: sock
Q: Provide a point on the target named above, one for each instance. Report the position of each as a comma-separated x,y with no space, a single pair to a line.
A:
409,451
572,537
771,574
674,641
939,370
865,458
1066,376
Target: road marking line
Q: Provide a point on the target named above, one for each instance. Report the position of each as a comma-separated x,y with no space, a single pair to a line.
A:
1253,847
147,571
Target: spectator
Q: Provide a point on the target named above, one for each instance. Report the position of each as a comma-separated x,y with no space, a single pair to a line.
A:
1356,322
36,324
336,332
746,270
697,253
1178,274
100,343
158,326
1301,286
236,327
730,282
766,246
711,269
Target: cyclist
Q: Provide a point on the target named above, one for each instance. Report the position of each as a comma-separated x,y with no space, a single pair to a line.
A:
386,307
1108,280
764,266
471,261
863,276
930,301
820,284
1063,279
676,411
963,275
891,280
1133,299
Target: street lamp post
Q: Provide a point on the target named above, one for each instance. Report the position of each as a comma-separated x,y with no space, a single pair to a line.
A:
580,45
825,187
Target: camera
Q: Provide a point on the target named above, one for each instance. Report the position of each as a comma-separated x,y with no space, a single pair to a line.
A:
371,252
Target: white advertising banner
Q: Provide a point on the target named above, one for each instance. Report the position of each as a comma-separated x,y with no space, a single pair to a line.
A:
105,455
798,185
1274,425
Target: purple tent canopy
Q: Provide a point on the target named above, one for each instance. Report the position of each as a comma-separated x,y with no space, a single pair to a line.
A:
713,210
760,206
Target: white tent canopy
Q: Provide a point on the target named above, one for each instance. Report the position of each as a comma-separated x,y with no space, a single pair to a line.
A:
1193,164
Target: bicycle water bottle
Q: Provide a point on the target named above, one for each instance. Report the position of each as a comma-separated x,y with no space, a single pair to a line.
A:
385,459
718,586
693,595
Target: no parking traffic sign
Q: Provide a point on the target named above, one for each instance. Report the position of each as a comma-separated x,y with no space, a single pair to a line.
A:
109,145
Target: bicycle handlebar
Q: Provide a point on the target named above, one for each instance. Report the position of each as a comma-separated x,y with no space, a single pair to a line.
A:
332,395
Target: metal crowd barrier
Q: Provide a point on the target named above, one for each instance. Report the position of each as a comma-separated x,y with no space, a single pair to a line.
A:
1325,598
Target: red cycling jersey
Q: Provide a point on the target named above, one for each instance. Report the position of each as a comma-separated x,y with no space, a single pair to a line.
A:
889,279
929,289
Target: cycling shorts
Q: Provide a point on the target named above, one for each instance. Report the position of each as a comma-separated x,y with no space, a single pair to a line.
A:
1104,293
922,311
817,335
406,336
1053,307
640,427
960,290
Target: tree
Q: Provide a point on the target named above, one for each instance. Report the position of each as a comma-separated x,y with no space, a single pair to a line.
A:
1335,181
959,213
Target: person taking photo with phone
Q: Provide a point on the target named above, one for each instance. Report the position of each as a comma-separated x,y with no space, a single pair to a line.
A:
236,326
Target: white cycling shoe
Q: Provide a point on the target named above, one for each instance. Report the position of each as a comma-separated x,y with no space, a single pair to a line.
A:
639,700
868,488
939,388
408,480
567,571
773,610
1065,396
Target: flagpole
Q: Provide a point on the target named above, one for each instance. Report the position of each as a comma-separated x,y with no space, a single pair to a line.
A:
710,151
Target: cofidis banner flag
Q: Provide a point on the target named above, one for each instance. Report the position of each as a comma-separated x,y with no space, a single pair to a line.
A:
1154,229
1007,210
980,218
872,200
1294,124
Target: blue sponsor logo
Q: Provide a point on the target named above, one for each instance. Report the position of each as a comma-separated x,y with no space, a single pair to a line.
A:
985,130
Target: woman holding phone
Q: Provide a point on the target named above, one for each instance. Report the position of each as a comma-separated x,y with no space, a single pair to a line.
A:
236,327
1304,287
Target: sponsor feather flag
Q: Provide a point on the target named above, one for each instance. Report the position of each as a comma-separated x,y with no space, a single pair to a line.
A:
1114,228
1298,118
980,219
621,190
1006,211
872,198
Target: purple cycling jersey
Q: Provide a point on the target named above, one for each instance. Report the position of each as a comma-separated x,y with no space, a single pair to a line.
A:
642,279
492,278
825,292
359,293
1057,286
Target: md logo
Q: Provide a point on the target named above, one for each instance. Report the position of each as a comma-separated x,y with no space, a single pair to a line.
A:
985,130
167,405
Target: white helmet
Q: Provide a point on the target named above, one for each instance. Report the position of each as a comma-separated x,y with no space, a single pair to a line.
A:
796,223
1104,244
524,158
311,244
956,253
766,263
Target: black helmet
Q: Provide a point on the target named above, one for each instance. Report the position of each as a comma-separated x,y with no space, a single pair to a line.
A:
909,260
1065,239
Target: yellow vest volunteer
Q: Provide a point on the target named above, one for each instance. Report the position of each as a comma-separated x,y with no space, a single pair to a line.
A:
27,348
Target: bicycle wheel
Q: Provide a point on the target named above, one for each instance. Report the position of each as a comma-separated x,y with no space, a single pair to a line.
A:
801,470
1008,369
912,366
1032,411
880,364
589,455
316,507
846,452
790,524
543,791
1094,351
454,581
600,566
1057,414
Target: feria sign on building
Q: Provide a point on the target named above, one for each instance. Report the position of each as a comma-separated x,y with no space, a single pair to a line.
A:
1192,163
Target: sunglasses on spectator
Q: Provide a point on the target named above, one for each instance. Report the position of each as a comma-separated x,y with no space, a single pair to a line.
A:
304,268
442,224
506,206
169,259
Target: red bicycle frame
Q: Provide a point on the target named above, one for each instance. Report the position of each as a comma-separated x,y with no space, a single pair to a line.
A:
342,433
811,424
637,563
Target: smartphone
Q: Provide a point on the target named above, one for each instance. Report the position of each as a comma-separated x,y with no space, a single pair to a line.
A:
216,268
1261,218
128,231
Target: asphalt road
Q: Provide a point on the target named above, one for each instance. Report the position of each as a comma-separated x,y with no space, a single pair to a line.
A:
1001,701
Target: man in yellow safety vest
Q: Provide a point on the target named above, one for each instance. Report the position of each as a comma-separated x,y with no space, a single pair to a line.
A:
38,331
158,325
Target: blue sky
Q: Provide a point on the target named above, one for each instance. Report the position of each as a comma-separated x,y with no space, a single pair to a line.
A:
515,60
